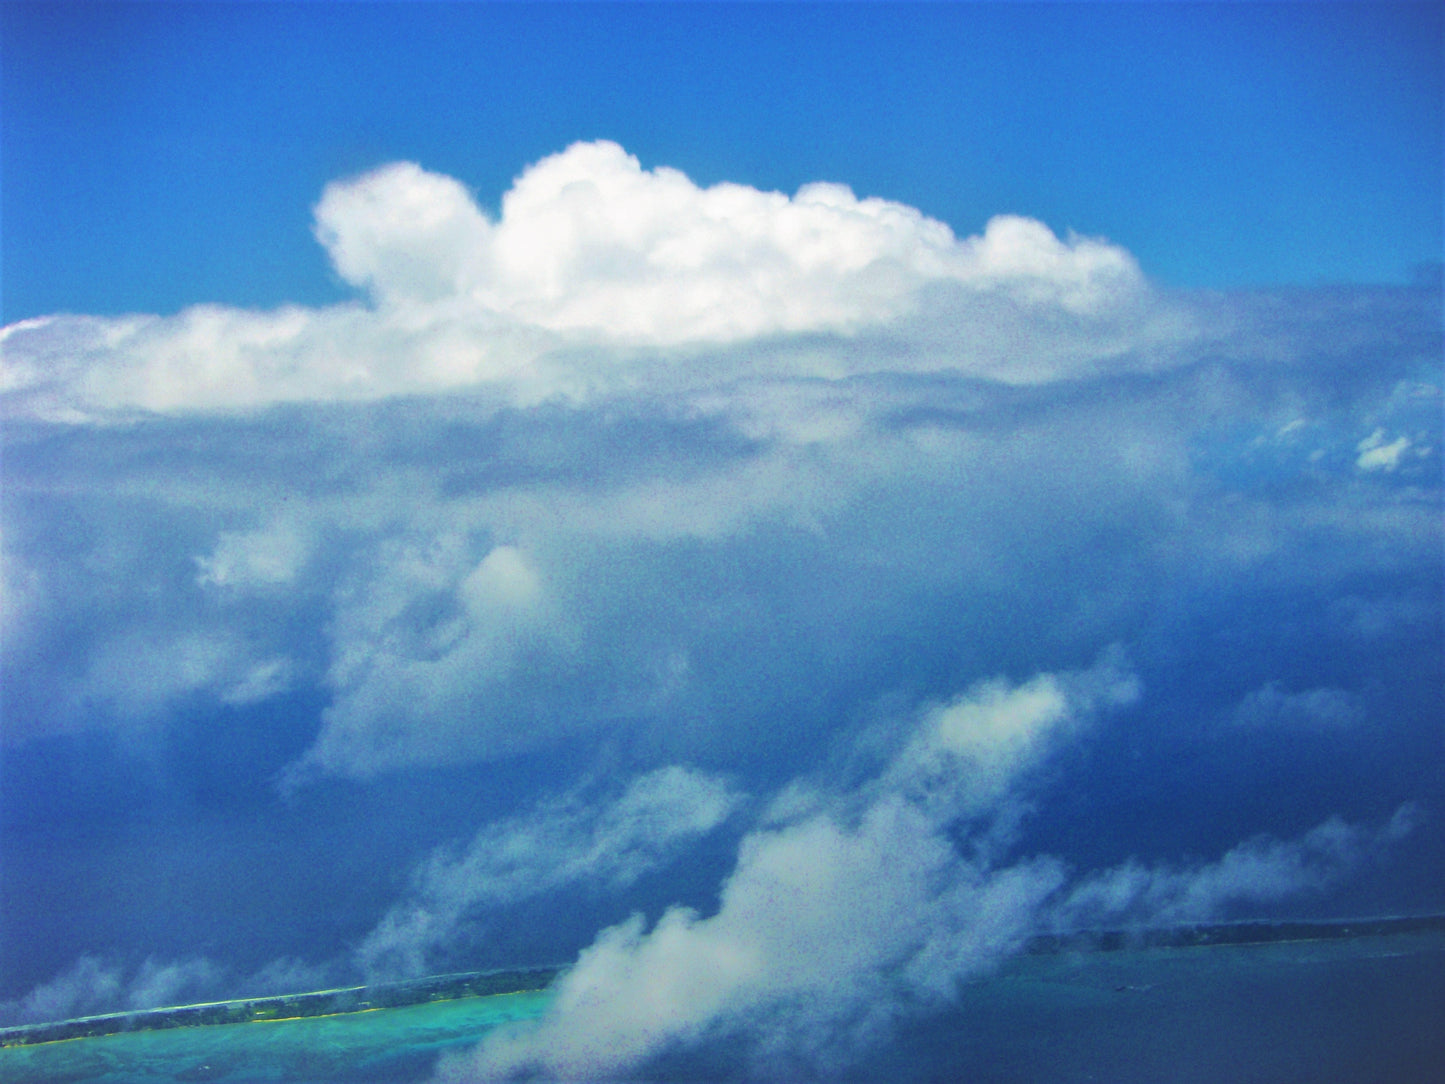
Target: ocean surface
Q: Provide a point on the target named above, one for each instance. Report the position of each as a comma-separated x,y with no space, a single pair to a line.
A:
1362,1011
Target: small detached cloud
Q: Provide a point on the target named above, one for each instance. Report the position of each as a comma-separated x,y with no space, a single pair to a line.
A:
1323,708
262,559
965,756
1377,455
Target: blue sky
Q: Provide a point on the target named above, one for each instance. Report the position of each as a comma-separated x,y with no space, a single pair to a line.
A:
665,488
159,154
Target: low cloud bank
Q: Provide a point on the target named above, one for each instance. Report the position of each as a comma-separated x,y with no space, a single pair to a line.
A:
94,985
846,910
1259,871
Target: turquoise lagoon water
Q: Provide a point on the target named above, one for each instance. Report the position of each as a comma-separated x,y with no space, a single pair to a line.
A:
388,1046
1363,1011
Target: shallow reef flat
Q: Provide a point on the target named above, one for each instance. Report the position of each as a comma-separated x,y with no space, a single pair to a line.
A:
350,999
382,1045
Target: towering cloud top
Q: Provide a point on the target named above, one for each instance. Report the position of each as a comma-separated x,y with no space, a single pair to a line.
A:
588,241
599,276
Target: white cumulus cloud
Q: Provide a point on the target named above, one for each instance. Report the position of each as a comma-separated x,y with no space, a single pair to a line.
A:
593,251
837,913
1376,455
590,242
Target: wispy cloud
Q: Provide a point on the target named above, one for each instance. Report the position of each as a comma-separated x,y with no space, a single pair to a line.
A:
1377,455
1261,870
574,839
1274,706
94,985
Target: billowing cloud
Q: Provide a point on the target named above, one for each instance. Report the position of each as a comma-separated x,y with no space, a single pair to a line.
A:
846,910
418,642
571,840
589,242
818,927
834,911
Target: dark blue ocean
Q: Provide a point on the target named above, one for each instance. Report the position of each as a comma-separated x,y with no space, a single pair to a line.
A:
1365,1011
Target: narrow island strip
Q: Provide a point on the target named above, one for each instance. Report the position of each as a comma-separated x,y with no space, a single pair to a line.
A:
352,999
453,987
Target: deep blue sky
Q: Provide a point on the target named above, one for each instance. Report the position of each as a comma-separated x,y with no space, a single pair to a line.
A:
158,154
